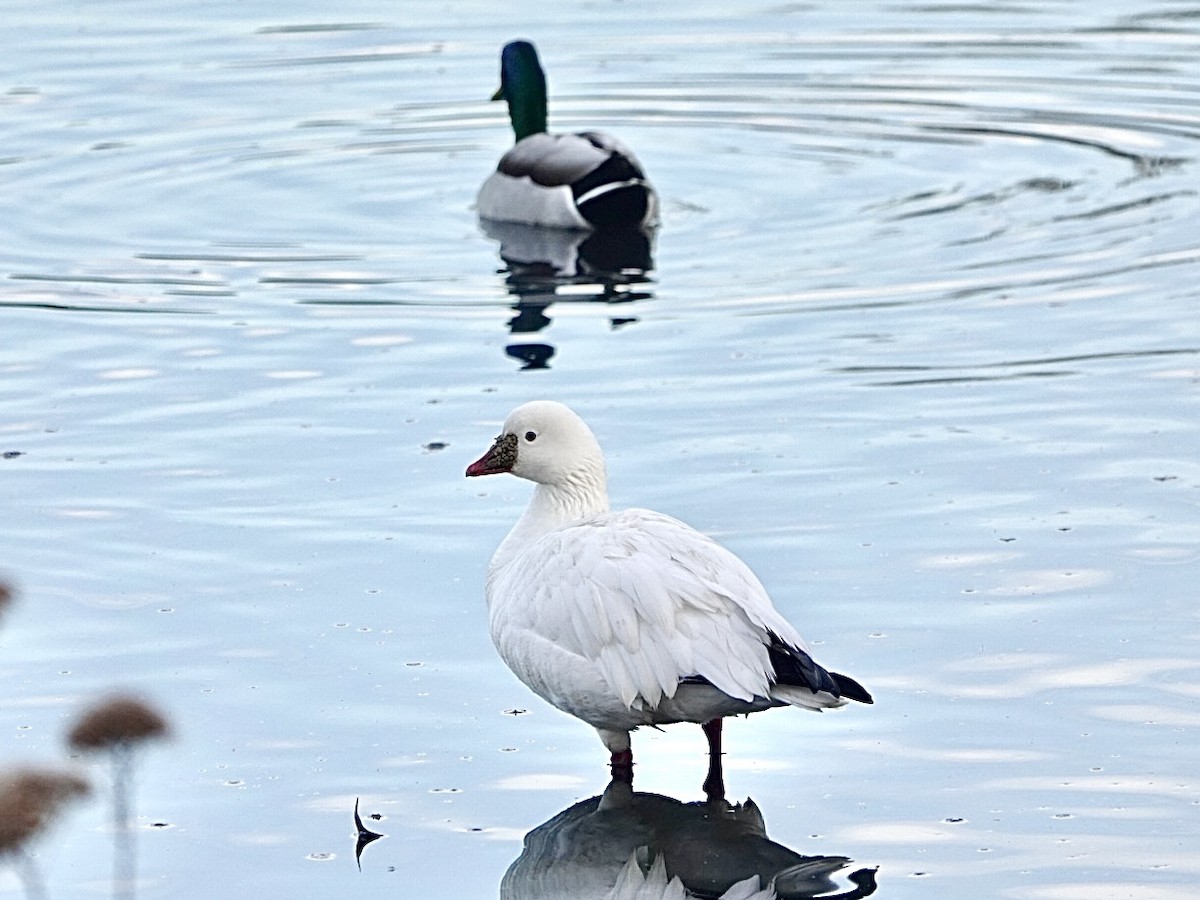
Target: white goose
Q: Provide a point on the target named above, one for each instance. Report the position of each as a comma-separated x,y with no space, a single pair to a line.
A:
632,618
580,181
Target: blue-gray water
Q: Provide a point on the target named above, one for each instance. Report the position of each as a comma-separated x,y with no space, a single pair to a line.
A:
921,343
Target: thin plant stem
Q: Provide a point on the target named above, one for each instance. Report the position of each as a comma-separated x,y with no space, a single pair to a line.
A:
124,845
31,878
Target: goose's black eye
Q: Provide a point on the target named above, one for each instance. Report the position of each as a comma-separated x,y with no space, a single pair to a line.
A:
531,436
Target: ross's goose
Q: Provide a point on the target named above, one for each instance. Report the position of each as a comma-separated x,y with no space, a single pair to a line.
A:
579,181
632,618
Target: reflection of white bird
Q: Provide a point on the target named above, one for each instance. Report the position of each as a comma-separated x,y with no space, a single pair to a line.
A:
632,618
582,181
626,845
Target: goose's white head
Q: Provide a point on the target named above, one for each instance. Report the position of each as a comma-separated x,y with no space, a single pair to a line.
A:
546,442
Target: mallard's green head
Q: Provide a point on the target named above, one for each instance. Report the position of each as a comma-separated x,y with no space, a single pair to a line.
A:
523,85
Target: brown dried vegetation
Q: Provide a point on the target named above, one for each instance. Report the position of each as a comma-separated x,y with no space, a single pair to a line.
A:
30,797
118,721
6,594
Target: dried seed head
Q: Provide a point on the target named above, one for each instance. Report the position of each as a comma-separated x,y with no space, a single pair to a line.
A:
118,721
6,594
29,798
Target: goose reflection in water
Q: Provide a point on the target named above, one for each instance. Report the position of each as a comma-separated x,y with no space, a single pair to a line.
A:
556,265
626,845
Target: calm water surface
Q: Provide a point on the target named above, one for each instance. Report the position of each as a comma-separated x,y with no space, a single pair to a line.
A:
920,342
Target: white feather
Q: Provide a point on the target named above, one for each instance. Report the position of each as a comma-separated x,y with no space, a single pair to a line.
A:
504,198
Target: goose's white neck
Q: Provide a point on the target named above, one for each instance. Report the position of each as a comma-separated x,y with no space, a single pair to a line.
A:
580,496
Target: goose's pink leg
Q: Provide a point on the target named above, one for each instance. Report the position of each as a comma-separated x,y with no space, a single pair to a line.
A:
621,764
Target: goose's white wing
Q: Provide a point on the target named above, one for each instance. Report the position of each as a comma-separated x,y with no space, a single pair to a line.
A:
647,600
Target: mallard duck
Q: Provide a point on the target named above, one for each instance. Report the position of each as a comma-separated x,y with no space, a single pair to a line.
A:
632,618
582,181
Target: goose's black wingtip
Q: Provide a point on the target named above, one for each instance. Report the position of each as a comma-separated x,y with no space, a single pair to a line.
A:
794,666
851,689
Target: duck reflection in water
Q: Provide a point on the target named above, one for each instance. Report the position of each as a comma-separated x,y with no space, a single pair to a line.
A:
557,265
624,845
